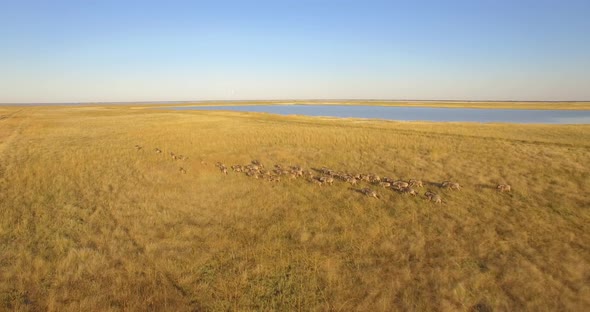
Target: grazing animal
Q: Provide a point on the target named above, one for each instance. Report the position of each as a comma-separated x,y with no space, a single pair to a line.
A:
299,172
451,185
384,184
173,156
369,192
326,180
352,180
400,185
431,196
138,147
436,199
374,178
157,150
409,190
317,181
455,186
182,170
221,167
416,183
503,188
388,180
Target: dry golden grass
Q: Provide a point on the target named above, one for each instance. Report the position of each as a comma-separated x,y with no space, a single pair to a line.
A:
89,223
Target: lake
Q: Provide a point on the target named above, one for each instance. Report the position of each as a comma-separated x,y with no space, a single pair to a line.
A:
414,113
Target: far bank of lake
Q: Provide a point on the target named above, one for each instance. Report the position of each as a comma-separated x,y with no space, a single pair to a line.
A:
414,113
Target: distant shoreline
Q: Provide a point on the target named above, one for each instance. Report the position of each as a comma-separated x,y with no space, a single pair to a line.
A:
541,105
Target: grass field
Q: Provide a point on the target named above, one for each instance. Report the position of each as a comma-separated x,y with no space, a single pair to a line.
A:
87,223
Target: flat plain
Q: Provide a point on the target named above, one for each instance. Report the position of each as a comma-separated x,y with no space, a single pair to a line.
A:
89,222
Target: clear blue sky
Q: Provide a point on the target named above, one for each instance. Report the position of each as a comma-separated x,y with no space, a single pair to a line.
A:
77,51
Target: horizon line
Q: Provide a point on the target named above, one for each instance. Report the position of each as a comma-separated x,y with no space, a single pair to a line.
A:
287,100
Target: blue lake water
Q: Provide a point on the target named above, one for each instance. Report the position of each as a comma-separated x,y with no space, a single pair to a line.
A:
414,113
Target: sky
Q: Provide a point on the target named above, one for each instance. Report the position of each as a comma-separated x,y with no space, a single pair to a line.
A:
111,51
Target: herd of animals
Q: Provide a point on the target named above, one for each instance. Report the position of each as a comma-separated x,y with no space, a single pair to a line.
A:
172,155
327,177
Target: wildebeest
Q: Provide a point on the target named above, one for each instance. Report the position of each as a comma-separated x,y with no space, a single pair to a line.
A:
416,183
250,173
182,170
257,163
317,181
409,190
326,180
384,184
374,178
503,188
436,199
221,167
451,185
253,167
352,180
369,192
431,196
399,185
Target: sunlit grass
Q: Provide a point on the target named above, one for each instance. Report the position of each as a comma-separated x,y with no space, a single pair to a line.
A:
89,223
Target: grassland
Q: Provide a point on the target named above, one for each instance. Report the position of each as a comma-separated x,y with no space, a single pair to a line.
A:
88,223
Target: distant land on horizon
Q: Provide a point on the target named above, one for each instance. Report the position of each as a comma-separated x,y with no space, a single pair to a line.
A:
288,100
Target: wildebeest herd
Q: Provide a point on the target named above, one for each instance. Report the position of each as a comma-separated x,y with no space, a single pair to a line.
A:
326,177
